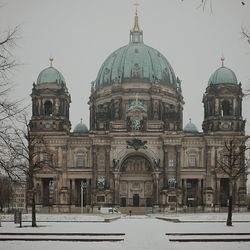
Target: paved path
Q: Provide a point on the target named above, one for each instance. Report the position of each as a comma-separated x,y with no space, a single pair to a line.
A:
141,233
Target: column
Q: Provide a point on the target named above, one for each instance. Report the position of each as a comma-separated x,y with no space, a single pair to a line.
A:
107,166
156,188
73,192
217,191
165,168
60,156
116,188
199,194
184,192
217,106
177,166
94,165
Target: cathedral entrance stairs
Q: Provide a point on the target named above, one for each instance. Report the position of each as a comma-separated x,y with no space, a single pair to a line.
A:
135,210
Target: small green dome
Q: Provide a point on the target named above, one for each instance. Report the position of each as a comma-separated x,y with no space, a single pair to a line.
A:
50,75
80,128
223,75
190,128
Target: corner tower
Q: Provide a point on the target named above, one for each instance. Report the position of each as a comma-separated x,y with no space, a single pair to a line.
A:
50,102
223,103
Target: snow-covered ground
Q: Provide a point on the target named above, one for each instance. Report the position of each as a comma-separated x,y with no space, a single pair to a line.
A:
141,232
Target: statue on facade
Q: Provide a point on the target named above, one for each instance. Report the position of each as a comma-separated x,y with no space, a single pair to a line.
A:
115,163
157,163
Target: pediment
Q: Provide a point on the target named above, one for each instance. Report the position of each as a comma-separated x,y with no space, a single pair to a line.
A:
45,170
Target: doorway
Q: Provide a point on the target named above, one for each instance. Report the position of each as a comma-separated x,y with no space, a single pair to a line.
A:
136,200
123,202
80,193
47,191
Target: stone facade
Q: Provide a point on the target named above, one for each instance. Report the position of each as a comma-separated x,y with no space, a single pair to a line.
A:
136,152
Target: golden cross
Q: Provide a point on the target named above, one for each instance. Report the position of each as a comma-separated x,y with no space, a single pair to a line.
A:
136,4
222,61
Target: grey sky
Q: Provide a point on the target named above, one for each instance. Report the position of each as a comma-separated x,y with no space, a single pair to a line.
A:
80,35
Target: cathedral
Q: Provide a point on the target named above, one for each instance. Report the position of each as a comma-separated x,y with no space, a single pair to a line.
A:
136,152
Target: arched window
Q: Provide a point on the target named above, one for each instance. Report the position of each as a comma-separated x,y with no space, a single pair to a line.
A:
48,108
80,160
192,160
210,109
225,107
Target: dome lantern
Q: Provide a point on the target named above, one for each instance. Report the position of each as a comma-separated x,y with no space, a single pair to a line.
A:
136,34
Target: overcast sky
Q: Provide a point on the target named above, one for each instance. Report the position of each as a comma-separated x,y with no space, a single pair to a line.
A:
81,34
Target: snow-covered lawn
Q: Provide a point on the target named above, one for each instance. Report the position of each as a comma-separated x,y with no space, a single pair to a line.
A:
141,232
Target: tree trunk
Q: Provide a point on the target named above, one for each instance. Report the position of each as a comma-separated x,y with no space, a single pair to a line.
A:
33,208
230,205
230,210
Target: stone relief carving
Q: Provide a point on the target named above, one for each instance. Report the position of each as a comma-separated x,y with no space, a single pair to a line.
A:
136,144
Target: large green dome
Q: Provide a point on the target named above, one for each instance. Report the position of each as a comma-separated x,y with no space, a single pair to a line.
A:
50,75
223,75
136,62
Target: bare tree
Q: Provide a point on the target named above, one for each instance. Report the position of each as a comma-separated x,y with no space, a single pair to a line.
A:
204,3
27,153
7,64
245,34
232,165
8,108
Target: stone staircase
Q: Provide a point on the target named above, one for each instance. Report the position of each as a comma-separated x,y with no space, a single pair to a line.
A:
135,210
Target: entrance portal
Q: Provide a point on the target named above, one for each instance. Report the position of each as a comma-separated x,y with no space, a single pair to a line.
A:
80,193
136,200
136,182
47,191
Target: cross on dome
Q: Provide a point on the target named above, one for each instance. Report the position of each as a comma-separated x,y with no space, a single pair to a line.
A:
136,27
222,61
136,32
